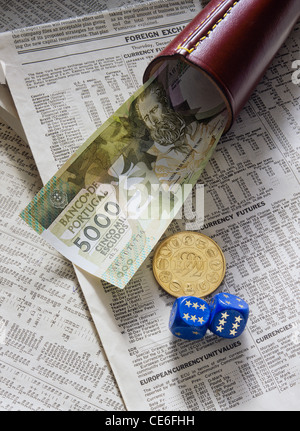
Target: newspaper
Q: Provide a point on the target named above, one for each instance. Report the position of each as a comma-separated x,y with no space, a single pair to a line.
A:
251,207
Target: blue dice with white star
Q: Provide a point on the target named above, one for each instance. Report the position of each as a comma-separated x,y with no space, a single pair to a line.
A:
229,315
189,318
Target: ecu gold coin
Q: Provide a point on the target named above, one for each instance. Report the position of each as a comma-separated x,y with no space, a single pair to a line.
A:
189,264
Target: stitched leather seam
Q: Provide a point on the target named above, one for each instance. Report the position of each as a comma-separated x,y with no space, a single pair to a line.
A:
210,31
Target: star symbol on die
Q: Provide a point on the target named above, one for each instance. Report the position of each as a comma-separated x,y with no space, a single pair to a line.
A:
201,320
238,319
222,322
195,305
177,333
219,328
188,303
194,318
186,316
225,315
202,307
233,332
195,332
235,325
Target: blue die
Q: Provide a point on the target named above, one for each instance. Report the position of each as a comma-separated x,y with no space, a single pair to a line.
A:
229,315
189,318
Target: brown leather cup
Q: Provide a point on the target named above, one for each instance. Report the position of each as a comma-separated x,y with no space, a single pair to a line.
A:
232,43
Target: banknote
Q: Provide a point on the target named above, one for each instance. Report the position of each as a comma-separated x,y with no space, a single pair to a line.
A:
108,205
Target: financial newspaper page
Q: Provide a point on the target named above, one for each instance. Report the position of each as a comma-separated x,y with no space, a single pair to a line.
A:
64,87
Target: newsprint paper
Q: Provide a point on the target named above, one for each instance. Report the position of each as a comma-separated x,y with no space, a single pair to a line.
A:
66,78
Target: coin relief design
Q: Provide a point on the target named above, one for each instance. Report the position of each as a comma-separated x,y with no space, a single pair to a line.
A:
189,263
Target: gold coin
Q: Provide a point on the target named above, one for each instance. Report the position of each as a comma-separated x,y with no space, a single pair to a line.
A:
189,264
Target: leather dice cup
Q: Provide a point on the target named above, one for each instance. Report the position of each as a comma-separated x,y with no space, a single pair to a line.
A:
191,317
232,42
